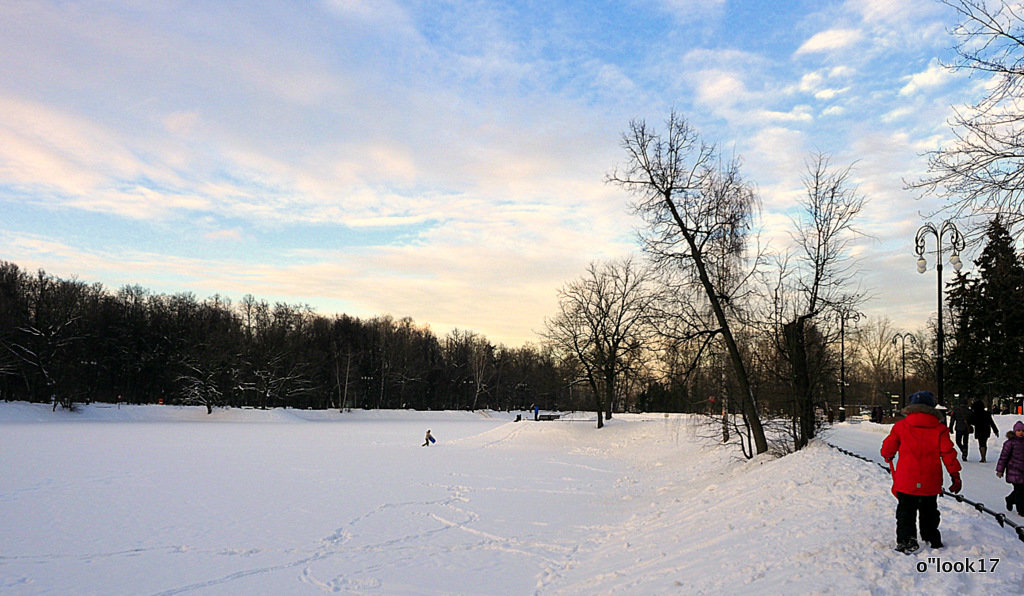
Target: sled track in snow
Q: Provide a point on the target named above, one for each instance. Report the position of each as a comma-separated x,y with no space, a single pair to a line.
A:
999,516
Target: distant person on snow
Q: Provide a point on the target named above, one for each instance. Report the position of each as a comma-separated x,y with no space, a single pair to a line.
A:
428,440
982,422
1011,461
960,421
922,443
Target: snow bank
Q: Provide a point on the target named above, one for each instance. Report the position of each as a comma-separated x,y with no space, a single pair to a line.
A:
350,503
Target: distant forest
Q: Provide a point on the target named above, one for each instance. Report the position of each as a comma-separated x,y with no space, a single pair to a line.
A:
67,341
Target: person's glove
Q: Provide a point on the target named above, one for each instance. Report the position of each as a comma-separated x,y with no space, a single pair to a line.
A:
957,485
999,474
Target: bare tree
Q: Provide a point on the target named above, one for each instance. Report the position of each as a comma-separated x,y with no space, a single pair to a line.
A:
818,280
981,171
875,348
699,212
199,386
603,323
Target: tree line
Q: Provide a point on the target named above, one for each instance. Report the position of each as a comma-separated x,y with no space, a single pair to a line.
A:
66,341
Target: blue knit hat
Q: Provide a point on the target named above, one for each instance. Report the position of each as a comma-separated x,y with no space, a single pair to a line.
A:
924,398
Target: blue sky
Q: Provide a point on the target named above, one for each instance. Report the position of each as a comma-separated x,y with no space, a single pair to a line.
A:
440,160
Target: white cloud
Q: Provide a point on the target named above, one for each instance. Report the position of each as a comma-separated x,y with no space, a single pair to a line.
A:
811,82
933,76
897,114
893,14
797,114
829,93
833,39
717,88
816,83
841,72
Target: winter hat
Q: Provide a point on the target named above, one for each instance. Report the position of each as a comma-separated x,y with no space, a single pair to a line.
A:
1018,426
925,398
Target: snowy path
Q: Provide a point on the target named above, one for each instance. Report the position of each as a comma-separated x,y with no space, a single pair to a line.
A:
980,482
168,501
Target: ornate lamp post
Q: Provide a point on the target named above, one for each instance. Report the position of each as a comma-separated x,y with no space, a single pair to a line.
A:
952,235
844,316
902,338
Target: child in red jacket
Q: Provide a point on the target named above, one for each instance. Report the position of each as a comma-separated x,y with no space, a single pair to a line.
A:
922,442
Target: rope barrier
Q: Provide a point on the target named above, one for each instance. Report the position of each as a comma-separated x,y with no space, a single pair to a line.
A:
1000,517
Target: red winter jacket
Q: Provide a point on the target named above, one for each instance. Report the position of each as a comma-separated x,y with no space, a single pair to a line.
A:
921,439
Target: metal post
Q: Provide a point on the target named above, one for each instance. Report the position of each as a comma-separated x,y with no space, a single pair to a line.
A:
842,368
941,335
956,244
844,315
902,338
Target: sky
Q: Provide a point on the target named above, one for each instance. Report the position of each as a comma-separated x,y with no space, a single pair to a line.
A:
443,160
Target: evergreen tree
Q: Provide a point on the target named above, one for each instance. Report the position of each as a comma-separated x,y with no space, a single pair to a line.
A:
988,313
964,357
999,318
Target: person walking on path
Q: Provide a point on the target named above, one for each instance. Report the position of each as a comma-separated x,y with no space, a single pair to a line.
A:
982,422
1011,462
960,422
922,443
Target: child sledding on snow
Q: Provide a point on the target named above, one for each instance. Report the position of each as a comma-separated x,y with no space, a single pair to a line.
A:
923,444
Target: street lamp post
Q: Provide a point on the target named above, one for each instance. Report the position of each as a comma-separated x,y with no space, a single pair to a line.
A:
844,315
902,339
951,234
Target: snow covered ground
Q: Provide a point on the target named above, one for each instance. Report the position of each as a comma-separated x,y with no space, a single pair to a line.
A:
168,500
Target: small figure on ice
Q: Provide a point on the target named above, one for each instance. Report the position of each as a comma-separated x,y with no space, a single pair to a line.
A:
428,440
1011,462
923,444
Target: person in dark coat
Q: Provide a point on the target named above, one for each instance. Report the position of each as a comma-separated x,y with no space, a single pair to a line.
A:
923,445
960,421
982,422
1011,461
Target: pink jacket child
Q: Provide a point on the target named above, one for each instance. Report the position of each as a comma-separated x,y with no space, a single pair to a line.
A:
1011,462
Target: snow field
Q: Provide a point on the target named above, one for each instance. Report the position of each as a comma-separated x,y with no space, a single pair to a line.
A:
167,500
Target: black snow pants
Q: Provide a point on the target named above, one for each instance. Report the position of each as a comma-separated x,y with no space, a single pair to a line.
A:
907,511
963,441
1016,498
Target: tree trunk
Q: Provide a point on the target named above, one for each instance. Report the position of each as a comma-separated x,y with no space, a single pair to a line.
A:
804,409
747,401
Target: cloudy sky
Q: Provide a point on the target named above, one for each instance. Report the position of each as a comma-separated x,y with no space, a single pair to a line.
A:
443,160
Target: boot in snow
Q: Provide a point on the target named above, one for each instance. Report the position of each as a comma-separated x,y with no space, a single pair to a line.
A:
908,547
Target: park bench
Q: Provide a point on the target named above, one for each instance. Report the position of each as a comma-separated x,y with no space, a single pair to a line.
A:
549,416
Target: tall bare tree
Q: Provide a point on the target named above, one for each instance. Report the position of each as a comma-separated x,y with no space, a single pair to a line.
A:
603,322
699,212
821,279
981,171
